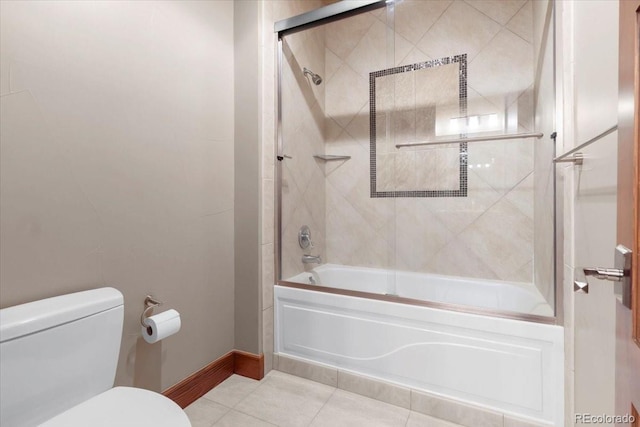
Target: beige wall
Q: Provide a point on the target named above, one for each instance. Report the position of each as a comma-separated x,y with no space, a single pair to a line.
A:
117,167
247,175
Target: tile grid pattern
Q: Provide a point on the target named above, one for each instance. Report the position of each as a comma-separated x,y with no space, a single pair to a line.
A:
461,60
425,403
285,400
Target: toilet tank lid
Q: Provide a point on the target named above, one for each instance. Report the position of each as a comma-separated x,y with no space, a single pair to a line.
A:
25,319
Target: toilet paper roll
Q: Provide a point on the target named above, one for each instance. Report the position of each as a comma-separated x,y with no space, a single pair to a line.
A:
161,326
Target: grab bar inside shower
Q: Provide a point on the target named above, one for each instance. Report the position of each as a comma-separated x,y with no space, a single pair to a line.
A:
472,139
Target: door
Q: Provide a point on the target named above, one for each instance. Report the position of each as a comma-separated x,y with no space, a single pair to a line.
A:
628,228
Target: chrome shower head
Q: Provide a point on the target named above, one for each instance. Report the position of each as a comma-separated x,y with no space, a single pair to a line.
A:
315,78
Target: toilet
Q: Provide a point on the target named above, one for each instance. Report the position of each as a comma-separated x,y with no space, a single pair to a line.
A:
58,359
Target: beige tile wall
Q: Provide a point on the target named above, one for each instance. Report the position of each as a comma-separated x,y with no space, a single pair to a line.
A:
303,183
488,234
302,176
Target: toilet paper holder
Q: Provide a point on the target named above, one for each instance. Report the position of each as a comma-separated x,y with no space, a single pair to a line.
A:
149,303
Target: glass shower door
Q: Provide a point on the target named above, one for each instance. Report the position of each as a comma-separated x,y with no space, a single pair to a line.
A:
473,176
416,154
325,173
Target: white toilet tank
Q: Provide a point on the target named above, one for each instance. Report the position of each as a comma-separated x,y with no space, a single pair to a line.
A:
56,353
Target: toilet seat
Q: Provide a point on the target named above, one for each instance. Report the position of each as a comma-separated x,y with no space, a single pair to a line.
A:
123,407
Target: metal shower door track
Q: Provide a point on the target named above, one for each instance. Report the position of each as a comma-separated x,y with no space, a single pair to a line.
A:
323,14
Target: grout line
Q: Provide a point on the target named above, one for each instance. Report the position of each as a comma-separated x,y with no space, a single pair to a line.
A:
224,415
476,220
376,233
511,19
492,205
408,416
214,401
248,415
422,37
502,27
436,21
325,404
469,3
410,410
362,109
247,396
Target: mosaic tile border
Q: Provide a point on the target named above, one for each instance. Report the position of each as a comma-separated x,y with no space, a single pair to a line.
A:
461,60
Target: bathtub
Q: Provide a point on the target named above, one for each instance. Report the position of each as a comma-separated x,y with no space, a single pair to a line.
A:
492,295
454,337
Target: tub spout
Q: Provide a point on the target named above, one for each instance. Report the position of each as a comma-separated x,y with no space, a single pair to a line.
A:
311,259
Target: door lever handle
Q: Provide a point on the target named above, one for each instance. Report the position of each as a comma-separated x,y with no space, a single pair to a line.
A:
612,274
622,273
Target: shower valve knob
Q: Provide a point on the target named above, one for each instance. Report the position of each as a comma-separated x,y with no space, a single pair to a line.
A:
304,237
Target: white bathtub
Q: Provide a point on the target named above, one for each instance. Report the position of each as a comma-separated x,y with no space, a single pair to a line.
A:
512,366
485,294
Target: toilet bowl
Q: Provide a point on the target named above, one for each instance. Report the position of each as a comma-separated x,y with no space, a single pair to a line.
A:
123,406
58,360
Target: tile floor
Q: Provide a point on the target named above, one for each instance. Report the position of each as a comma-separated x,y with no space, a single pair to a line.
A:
288,401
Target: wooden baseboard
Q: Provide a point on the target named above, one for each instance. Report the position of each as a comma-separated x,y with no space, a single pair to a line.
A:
248,364
200,383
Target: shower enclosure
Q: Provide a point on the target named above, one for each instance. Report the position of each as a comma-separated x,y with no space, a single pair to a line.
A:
416,194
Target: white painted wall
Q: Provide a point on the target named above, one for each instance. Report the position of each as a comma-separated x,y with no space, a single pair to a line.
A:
590,94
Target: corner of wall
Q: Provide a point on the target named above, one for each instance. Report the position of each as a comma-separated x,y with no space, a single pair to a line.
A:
247,177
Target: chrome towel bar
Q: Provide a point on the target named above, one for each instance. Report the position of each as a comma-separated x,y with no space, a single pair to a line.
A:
472,139
577,157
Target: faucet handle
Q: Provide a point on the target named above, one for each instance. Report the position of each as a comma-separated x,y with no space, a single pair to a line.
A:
304,237
311,259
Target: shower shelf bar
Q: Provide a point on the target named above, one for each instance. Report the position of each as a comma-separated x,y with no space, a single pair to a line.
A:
577,156
472,139
330,157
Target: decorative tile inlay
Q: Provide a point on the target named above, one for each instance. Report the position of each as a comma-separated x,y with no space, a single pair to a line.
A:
461,191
